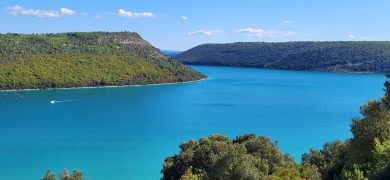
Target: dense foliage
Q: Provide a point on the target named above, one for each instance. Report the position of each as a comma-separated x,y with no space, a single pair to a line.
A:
85,59
364,156
313,56
246,157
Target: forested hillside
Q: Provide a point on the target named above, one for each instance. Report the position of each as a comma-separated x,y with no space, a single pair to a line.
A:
312,56
85,59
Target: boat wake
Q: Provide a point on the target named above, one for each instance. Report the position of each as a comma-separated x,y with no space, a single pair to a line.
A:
53,101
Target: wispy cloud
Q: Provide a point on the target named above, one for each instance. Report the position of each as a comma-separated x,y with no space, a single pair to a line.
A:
19,10
184,17
68,12
287,21
261,33
209,32
352,36
359,38
129,14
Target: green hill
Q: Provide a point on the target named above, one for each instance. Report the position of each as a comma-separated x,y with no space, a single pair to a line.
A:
312,56
85,59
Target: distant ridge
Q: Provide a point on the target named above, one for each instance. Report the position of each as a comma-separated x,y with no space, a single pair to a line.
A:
337,56
85,59
171,53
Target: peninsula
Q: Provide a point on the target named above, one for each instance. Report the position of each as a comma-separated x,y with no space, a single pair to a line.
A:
85,59
332,56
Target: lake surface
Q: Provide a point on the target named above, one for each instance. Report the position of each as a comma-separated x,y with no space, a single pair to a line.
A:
125,133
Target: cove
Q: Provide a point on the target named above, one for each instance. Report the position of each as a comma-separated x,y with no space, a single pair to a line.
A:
125,133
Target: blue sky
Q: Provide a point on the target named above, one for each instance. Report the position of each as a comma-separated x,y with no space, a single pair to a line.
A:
182,24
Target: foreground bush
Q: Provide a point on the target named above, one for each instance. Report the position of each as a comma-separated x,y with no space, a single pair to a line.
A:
245,157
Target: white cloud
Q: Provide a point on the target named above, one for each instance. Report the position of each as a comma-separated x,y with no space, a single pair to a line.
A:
97,16
18,10
352,36
129,14
67,12
265,33
287,21
358,38
209,32
184,17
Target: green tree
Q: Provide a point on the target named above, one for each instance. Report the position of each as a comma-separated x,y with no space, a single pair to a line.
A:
237,164
263,148
49,176
75,175
383,174
352,173
310,172
290,171
370,130
188,175
381,162
245,157
329,160
65,175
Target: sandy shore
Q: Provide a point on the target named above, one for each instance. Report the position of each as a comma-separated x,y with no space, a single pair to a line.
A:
91,87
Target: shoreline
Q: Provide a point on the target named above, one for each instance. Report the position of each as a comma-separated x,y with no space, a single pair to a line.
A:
96,87
295,70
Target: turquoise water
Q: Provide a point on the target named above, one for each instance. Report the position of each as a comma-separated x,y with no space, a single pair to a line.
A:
125,133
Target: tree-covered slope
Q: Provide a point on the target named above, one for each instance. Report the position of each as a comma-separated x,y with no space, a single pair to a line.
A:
313,56
85,59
